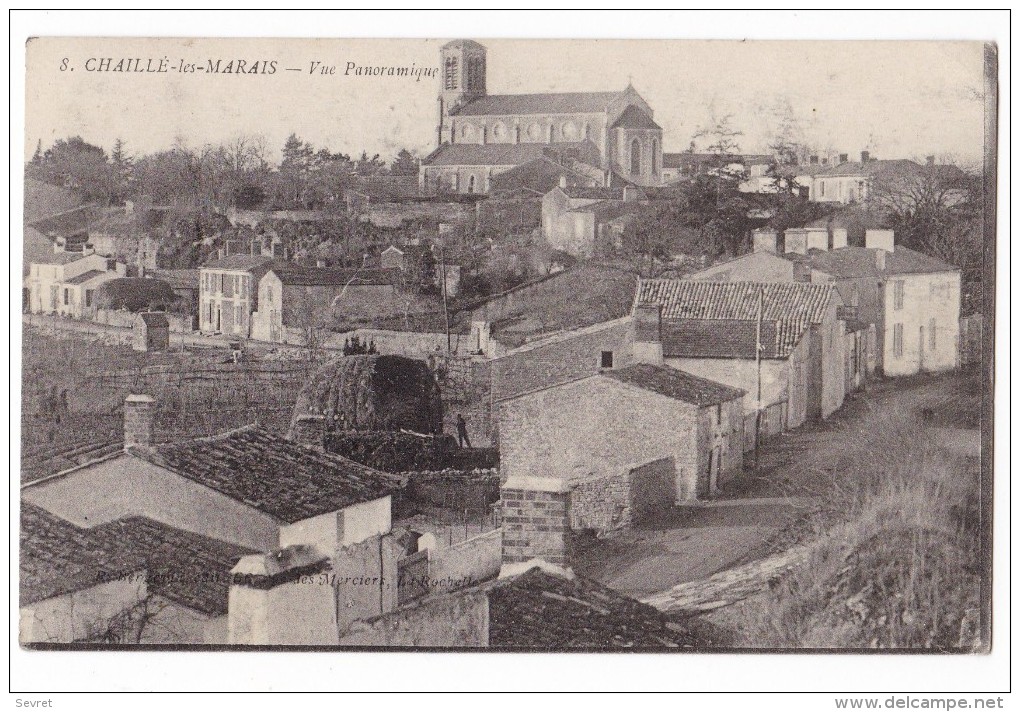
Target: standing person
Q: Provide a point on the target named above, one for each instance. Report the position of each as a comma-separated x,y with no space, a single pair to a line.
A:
462,433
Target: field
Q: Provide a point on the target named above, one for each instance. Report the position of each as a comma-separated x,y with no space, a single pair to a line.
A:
73,389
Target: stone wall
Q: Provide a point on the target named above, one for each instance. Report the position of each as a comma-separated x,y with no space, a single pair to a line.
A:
457,620
652,489
469,562
618,501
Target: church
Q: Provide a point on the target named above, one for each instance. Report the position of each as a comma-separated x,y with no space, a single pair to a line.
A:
609,136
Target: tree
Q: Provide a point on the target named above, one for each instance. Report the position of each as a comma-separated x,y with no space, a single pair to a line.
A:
370,166
77,164
405,164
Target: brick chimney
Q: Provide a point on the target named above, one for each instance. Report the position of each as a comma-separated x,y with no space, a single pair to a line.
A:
839,238
648,333
536,519
844,157
865,156
879,240
764,240
139,420
309,430
796,241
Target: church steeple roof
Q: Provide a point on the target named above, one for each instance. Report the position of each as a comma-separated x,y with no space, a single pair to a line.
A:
463,44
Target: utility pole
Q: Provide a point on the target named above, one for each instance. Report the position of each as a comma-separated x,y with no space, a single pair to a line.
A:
757,364
446,310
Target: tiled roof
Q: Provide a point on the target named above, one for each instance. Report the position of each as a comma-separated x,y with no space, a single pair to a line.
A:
239,262
60,258
542,610
793,306
676,384
635,118
850,262
275,475
593,193
86,276
520,104
176,278
500,154
537,176
326,277
157,319
720,338
183,567
67,223
59,558
899,168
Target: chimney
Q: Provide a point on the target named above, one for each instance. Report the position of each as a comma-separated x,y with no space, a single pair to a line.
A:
880,260
648,334
818,239
270,601
865,156
764,240
139,417
930,160
536,519
825,161
879,240
796,241
839,238
844,157
813,160
563,181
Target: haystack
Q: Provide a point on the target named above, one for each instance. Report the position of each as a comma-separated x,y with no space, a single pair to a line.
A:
372,393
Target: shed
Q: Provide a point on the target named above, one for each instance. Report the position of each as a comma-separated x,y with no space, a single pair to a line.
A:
151,332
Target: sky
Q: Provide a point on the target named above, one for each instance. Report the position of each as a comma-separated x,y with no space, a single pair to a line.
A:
904,99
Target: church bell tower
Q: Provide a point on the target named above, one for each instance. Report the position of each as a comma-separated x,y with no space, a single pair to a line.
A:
462,73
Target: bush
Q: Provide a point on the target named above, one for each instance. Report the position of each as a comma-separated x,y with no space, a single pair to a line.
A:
135,294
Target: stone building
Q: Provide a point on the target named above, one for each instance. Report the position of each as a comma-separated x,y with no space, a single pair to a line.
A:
228,293
65,283
151,332
480,135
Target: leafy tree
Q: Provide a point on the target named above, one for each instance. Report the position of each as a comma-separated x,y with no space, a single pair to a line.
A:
77,164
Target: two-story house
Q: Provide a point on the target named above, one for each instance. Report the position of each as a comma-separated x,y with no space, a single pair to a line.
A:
65,283
228,293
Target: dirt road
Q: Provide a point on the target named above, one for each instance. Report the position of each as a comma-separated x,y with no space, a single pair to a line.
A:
754,519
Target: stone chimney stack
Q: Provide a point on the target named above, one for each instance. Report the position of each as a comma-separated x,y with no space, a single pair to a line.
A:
796,241
536,519
865,156
844,157
139,420
648,333
309,430
764,240
839,238
818,239
879,240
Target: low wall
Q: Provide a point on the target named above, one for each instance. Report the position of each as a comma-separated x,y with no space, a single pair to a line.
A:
621,500
474,491
467,563
459,620
179,323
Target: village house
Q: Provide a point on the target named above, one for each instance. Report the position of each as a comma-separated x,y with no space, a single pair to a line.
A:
65,283
228,293
132,580
247,487
715,330
614,439
912,299
577,220
292,299
151,332
481,135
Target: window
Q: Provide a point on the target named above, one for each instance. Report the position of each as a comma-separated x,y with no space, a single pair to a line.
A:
269,295
898,294
88,301
931,334
607,359
67,297
471,185
635,157
897,340
821,188
718,413
450,78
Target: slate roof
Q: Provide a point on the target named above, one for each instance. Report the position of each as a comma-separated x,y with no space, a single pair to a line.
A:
295,275
542,610
793,306
58,558
634,118
675,384
282,478
86,276
720,338
520,104
498,154
851,262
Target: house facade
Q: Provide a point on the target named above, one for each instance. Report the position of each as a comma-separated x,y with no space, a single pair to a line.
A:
66,283
228,294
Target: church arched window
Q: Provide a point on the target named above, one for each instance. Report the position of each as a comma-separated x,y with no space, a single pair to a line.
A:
635,157
450,81
517,132
471,185
587,132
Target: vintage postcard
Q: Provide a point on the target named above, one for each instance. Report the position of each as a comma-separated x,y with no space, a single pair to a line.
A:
507,344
